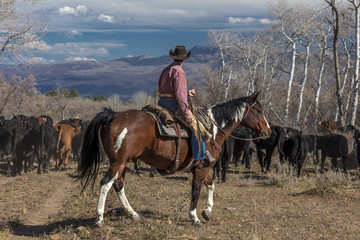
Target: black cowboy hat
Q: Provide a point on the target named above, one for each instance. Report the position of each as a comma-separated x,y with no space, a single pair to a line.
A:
179,53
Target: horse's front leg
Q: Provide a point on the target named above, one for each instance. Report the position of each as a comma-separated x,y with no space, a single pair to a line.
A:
199,176
210,198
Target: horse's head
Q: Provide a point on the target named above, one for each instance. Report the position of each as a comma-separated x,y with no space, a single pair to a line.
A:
254,117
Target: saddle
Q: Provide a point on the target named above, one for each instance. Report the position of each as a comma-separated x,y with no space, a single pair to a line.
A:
168,125
166,121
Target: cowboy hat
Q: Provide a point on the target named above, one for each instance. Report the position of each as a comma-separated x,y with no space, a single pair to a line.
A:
179,53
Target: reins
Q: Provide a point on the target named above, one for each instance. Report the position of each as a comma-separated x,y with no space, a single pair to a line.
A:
202,115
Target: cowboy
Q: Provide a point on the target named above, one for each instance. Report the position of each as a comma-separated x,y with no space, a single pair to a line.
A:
174,96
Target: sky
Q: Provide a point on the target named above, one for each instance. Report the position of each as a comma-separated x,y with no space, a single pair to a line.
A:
104,30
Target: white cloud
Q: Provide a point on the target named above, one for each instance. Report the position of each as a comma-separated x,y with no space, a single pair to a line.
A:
40,46
79,49
242,20
106,18
77,59
178,11
80,10
73,34
265,21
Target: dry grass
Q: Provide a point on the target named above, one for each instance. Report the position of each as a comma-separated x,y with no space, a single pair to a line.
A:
250,205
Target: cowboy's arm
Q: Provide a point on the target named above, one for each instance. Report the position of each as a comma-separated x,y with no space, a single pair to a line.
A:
180,88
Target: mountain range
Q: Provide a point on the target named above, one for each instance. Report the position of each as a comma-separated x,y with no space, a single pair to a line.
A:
124,76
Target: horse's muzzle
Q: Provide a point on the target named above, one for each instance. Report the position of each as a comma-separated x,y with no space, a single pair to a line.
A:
264,134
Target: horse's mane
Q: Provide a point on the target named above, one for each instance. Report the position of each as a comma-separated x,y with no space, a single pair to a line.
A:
230,111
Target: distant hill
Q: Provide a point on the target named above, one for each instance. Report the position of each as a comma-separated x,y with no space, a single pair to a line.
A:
124,76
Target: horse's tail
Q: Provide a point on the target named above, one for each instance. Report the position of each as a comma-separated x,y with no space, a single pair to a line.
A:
90,153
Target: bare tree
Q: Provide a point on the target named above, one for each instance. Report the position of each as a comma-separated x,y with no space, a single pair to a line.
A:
141,98
306,17
323,34
284,15
356,5
224,41
250,53
335,24
20,31
14,91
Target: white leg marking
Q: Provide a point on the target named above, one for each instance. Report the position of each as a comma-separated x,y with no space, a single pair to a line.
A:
128,209
102,198
210,197
119,140
193,216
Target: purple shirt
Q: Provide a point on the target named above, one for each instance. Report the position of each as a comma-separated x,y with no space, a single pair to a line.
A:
173,81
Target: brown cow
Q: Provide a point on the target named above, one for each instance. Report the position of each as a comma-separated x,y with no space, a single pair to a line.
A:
327,126
63,148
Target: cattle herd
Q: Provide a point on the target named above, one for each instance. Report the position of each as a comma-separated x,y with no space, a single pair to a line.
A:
293,147
24,140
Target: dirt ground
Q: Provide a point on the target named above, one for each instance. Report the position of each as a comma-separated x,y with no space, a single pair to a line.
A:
250,205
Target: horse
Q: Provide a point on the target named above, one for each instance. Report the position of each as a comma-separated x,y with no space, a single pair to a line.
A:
132,134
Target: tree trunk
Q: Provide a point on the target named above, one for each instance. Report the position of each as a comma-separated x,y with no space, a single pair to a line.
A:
356,67
291,78
303,83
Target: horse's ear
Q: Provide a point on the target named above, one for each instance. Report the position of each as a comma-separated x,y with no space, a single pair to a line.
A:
254,96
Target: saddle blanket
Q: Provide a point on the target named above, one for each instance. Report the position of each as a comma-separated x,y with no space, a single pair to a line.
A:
165,122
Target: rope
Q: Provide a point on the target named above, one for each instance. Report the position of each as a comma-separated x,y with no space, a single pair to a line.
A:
200,113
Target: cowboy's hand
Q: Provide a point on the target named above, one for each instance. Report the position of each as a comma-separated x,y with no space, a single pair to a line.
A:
189,120
192,92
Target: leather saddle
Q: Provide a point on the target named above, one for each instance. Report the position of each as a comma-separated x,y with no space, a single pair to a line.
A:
165,122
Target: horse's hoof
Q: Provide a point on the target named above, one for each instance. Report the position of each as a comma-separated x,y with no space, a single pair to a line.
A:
206,214
100,223
136,217
197,224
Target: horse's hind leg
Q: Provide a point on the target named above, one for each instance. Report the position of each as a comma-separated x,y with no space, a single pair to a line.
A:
105,185
120,190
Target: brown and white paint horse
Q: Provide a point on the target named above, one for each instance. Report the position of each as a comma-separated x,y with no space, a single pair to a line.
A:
132,134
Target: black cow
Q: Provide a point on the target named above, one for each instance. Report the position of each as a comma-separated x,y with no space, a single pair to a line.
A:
296,149
276,139
40,140
233,148
311,145
27,122
291,131
77,141
357,145
334,146
11,133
